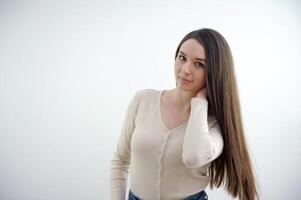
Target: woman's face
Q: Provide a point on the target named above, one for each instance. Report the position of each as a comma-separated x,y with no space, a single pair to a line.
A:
190,65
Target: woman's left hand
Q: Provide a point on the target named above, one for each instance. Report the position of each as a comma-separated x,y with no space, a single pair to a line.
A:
202,93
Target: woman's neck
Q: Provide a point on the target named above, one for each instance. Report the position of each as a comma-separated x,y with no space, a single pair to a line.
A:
181,99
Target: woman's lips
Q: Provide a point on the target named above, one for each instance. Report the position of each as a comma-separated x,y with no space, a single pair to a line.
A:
185,80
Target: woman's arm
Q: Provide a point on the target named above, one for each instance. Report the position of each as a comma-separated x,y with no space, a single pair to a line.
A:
122,155
201,145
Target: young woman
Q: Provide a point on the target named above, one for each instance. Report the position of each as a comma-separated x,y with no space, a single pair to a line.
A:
175,142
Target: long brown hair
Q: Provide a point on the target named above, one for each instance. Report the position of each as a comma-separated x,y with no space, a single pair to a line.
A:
233,167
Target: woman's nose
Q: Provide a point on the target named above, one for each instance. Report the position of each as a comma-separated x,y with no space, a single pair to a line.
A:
187,67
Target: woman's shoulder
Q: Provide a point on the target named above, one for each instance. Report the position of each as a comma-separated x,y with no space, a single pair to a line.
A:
147,93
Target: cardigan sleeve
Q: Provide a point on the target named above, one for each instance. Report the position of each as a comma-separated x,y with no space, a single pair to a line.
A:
201,145
122,155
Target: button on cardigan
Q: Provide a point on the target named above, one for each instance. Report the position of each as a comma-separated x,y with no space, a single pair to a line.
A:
162,163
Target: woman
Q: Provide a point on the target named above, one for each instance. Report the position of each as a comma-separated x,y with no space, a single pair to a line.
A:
176,142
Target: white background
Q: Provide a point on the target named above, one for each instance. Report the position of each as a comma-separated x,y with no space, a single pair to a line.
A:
69,68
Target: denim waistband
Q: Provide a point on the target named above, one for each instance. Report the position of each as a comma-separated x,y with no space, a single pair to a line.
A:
202,195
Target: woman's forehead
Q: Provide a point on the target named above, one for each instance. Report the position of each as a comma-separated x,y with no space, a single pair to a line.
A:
193,48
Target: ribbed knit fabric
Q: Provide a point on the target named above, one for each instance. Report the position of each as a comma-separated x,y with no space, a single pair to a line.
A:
163,164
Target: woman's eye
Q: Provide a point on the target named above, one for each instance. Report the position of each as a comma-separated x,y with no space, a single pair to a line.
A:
199,64
181,57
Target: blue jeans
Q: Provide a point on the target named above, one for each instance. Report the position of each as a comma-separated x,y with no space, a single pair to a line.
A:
198,196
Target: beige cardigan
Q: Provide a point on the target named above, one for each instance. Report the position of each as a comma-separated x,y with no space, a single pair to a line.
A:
163,164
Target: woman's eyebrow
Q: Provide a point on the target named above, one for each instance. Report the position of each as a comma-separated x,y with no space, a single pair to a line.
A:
195,58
